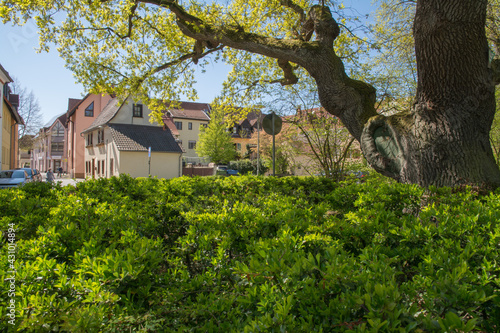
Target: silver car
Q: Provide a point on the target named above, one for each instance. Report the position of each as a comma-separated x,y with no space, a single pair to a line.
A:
13,178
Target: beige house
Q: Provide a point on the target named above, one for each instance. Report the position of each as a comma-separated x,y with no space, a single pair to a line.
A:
185,121
121,140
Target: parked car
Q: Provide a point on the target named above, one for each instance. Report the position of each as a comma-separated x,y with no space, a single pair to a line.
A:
30,172
221,170
231,172
13,178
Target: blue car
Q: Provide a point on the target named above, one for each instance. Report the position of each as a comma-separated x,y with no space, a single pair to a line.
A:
13,178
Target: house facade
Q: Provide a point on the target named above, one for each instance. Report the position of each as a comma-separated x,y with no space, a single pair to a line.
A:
242,132
9,124
188,118
50,146
80,115
121,140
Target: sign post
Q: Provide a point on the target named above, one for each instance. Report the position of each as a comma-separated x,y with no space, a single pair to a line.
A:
272,125
149,161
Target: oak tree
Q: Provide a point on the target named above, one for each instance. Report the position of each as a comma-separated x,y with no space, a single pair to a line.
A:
146,46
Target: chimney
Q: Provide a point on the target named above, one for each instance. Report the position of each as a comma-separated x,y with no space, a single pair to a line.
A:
14,100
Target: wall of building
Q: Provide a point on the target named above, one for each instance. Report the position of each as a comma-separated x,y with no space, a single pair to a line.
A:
187,135
9,139
163,165
77,123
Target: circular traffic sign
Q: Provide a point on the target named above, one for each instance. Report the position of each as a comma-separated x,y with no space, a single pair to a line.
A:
272,124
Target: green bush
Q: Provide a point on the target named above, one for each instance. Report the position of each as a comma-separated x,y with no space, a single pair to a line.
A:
250,254
246,166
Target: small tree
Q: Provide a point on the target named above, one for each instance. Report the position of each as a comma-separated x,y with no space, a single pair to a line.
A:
321,138
215,141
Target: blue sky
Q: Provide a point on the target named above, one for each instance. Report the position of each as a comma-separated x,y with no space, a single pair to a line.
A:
52,84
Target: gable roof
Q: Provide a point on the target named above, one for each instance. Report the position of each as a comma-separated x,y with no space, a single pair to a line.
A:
190,110
74,104
5,74
108,113
141,137
61,117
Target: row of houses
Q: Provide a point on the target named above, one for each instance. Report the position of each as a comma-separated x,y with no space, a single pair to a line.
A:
102,136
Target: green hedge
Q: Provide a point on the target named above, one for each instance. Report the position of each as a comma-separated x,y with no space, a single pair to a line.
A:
250,254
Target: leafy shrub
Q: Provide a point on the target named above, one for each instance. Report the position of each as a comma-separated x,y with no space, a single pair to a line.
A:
248,254
249,166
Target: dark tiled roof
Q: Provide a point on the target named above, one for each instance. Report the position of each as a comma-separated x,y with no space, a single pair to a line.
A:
63,119
106,114
72,102
139,138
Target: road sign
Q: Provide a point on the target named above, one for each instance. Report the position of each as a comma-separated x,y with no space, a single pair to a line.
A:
272,124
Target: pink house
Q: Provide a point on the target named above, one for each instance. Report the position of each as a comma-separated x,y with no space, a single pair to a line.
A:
50,146
81,114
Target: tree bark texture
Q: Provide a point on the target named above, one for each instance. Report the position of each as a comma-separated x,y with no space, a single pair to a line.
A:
444,140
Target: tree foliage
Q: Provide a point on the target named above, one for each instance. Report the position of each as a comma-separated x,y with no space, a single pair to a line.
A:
215,141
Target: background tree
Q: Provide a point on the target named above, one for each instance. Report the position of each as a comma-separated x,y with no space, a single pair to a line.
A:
323,140
148,46
29,110
284,159
215,141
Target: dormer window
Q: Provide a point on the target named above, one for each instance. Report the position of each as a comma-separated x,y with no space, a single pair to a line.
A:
137,110
89,111
100,136
90,139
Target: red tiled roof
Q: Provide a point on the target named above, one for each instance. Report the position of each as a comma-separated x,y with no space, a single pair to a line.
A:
169,123
190,110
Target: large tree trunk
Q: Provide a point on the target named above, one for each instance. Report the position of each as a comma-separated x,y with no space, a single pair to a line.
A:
444,140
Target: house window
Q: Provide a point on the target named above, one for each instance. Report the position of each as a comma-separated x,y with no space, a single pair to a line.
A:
235,129
57,147
137,110
89,139
111,167
238,146
102,166
178,125
190,126
192,144
100,136
89,111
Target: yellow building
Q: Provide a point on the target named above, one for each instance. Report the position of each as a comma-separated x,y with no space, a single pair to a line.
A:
9,123
187,119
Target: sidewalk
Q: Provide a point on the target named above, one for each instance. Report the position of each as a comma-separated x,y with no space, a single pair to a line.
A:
64,180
